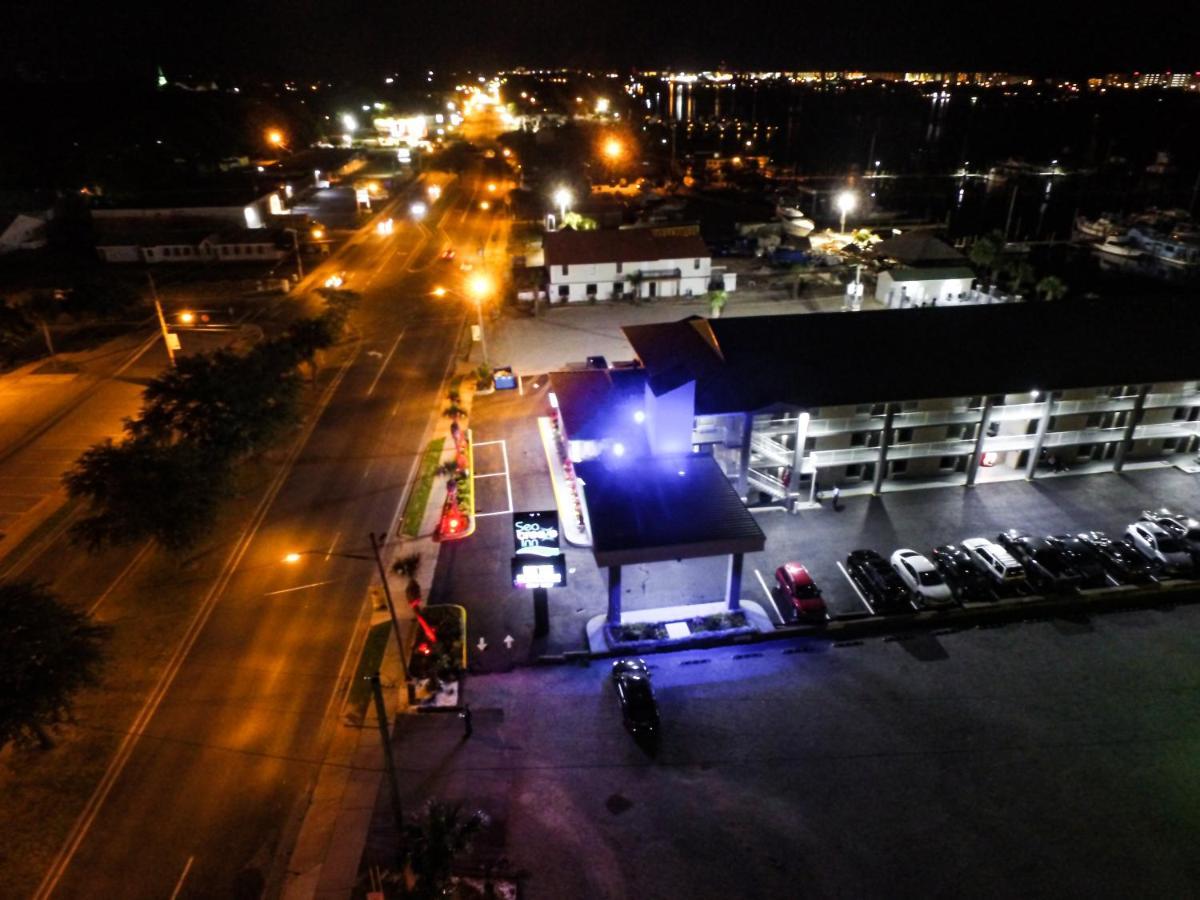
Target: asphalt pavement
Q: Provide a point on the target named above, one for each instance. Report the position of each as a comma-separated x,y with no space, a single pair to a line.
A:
1052,759
221,764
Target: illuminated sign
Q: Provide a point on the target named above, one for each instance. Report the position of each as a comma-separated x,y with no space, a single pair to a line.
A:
536,533
544,573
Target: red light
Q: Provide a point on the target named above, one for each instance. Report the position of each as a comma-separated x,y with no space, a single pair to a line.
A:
424,649
453,523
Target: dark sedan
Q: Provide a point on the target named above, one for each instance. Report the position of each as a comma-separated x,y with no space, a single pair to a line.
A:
639,709
1120,560
1083,557
961,573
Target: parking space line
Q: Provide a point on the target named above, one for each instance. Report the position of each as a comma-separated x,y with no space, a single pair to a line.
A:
490,475
758,575
507,480
857,592
479,444
500,512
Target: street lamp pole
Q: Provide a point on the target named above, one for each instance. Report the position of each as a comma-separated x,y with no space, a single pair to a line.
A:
389,760
162,322
479,319
296,245
387,595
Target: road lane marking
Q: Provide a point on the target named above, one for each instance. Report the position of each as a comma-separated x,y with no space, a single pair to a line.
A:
383,365
758,575
302,587
329,552
133,563
183,877
499,512
116,766
857,592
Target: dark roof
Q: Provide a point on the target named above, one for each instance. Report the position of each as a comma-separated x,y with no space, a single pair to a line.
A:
147,234
588,399
929,273
575,248
917,248
654,509
837,359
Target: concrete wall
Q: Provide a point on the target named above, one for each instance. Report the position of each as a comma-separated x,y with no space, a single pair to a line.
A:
612,284
895,293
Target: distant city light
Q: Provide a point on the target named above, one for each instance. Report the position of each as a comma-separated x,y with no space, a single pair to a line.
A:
349,122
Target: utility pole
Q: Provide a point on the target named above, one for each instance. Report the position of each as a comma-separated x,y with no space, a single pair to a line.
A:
162,322
1011,203
389,762
299,263
387,594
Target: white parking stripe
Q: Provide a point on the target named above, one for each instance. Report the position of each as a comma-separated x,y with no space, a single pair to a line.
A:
507,480
771,599
857,592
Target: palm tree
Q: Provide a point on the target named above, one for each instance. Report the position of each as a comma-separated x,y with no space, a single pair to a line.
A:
1019,271
454,412
432,840
1051,288
634,280
987,252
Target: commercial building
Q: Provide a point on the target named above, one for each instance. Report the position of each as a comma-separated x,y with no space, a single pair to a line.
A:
787,405
584,266
189,244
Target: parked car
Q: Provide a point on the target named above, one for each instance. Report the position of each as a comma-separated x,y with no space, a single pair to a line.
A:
877,580
1046,566
1161,547
1083,557
996,562
1179,524
802,592
965,578
1120,560
923,580
639,709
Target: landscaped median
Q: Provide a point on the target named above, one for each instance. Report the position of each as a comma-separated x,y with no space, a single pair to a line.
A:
414,509
567,496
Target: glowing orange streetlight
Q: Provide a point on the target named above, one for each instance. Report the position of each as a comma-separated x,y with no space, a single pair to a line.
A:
292,558
187,318
613,149
275,137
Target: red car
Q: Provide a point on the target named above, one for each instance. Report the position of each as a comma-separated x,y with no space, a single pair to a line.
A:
798,586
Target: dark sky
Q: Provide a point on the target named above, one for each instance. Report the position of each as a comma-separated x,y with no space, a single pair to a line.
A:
368,37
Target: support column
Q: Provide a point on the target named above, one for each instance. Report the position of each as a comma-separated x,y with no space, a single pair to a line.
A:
884,440
743,482
614,595
1039,437
733,586
985,420
1135,419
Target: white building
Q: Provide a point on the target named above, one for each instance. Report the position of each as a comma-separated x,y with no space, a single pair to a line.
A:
640,262
902,287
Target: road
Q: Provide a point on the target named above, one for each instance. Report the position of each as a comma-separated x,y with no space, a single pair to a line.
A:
225,753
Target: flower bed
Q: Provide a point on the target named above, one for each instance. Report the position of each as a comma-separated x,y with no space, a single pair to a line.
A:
638,635
441,657
568,469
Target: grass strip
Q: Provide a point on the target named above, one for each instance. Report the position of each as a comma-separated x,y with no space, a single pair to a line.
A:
368,664
414,509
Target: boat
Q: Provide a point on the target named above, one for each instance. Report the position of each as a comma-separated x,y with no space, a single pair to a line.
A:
1164,248
1096,229
1115,246
794,222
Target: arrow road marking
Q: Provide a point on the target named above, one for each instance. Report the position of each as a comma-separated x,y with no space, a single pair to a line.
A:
482,645
508,641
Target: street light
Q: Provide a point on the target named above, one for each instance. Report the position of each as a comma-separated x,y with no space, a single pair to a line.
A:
845,202
612,149
480,287
275,137
562,198
187,318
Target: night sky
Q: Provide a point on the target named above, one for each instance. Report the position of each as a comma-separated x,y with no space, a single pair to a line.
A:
65,38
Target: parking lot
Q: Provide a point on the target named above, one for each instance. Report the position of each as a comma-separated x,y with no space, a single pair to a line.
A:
922,520
512,474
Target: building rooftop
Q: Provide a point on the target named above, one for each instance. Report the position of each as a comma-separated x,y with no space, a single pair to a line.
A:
748,363
930,273
655,509
917,248
588,399
576,248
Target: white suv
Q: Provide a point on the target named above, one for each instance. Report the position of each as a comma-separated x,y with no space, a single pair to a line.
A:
923,579
995,560
1160,546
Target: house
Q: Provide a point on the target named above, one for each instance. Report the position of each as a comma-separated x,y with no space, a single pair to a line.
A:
21,231
196,243
640,262
913,286
246,245
918,250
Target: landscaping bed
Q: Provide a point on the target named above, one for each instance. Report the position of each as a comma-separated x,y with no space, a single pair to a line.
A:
679,632
437,662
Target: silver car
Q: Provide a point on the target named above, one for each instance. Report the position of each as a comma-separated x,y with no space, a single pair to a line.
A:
1160,546
923,580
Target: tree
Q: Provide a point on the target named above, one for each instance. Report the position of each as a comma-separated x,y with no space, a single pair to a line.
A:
987,252
716,303
48,652
1020,272
432,840
634,280
454,412
140,489
1051,288
15,328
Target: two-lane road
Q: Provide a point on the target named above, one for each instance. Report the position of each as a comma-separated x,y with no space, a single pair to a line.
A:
236,738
